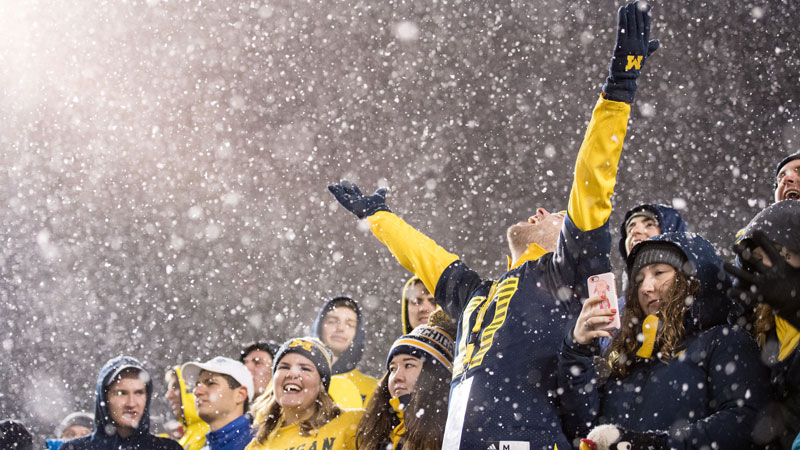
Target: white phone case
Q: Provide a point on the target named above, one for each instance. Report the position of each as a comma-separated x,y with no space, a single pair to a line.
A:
604,285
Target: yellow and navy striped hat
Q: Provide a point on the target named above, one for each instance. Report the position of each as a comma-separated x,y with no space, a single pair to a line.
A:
425,341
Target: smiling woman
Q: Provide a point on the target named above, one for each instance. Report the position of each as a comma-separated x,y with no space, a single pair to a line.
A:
300,411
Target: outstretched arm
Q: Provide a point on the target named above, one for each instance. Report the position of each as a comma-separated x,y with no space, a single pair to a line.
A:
416,252
596,167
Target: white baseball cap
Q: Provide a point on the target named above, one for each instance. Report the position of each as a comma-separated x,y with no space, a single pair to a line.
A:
226,366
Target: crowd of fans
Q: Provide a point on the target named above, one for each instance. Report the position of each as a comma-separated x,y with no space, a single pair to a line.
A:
704,357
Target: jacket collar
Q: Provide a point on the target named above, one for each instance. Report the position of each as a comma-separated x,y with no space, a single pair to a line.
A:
235,431
532,253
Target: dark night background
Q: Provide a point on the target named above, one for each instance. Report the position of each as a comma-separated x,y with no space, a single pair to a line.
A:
164,163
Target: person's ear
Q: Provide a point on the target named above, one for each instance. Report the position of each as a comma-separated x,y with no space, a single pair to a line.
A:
241,395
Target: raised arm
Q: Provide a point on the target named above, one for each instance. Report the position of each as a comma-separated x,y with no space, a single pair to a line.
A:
416,252
596,167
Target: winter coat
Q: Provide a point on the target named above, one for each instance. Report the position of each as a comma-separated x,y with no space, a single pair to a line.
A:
349,359
779,222
708,396
194,429
233,436
510,330
105,436
785,380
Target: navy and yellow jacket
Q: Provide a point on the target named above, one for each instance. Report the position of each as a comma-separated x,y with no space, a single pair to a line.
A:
510,330
708,396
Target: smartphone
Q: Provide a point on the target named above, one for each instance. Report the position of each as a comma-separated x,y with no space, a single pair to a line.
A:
604,285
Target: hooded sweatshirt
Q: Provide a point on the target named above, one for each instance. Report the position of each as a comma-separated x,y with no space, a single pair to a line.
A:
194,429
708,395
346,364
104,436
669,220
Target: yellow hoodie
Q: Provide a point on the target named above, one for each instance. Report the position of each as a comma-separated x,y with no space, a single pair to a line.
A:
194,429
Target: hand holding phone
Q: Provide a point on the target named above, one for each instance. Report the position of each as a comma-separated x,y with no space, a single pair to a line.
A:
604,286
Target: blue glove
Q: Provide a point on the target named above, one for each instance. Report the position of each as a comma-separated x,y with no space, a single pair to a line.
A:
357,203
632,48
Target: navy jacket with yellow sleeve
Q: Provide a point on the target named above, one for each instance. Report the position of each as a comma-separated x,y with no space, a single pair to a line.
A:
510,329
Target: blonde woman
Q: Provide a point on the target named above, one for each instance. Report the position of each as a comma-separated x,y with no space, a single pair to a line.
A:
300,413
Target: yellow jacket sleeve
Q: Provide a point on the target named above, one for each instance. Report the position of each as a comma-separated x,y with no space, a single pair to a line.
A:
418,253
596,167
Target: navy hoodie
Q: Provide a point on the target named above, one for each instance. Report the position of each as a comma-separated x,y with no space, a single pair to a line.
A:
709,396
104,436
350,358
669,220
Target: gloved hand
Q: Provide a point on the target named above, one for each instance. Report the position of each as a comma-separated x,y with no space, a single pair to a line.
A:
777,285
611,437
632,48
357,203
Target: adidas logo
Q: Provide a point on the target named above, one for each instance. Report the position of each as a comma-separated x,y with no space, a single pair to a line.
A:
492,447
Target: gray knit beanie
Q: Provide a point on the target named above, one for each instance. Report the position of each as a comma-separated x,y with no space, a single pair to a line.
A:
657,252
643,212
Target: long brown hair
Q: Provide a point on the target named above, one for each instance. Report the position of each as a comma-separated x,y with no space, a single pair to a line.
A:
325,410
424,416
621,354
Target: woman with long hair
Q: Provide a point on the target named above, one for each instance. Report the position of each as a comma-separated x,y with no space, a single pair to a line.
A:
300,413
680,376
409,408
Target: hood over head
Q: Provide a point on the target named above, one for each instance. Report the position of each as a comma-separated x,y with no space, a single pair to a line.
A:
669,220
780,222
712,305
404,303
14,436
350,358
103,425
190,416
